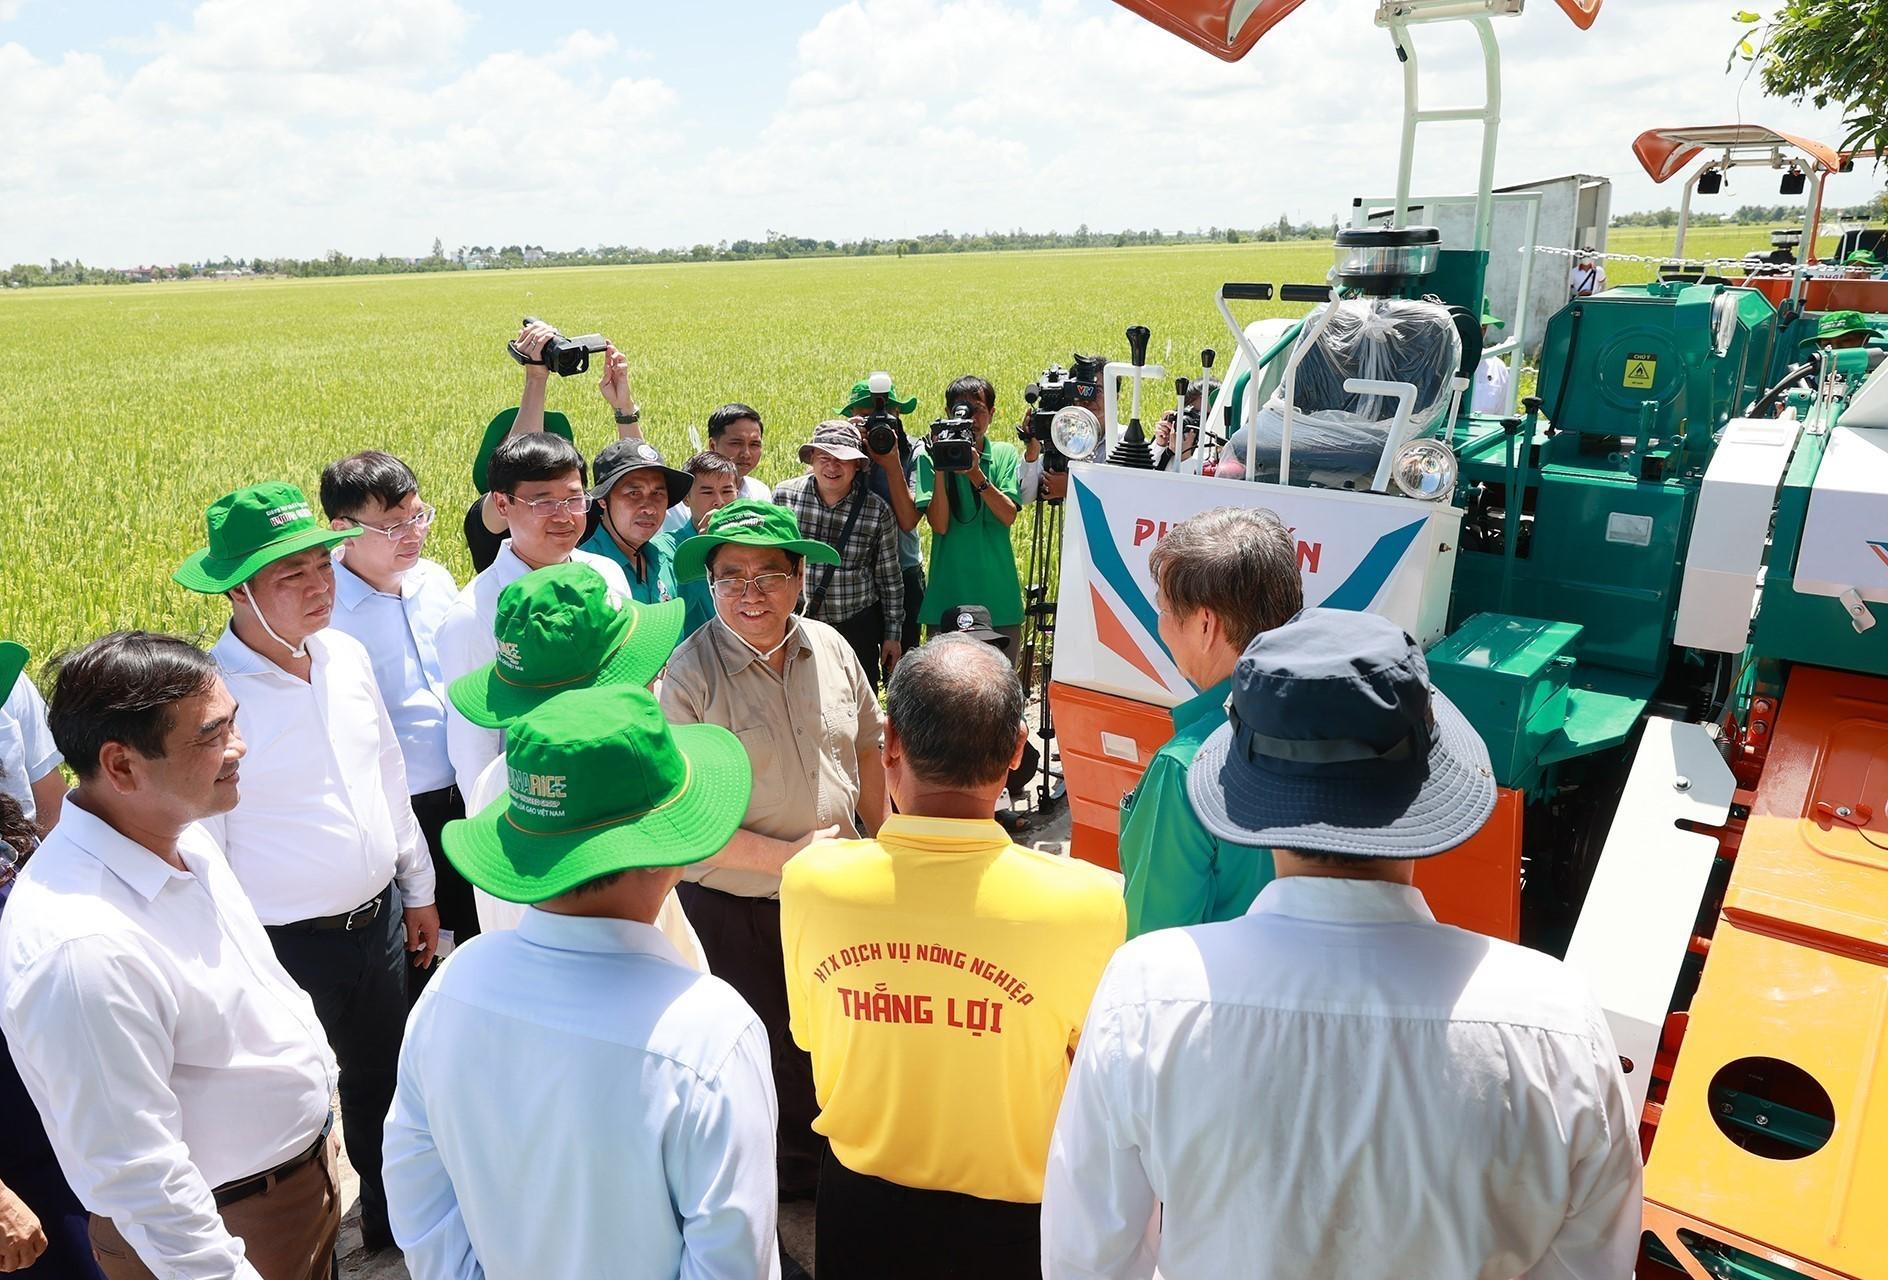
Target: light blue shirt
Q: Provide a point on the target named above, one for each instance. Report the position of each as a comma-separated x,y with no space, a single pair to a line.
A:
575,1101
399,634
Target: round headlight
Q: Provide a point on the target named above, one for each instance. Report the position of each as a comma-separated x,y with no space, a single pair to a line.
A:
1425,469
1075,431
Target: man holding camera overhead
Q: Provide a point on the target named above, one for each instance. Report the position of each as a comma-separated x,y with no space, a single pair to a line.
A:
862,597
971,491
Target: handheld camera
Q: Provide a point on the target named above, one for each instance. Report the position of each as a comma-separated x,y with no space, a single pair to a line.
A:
952,444
563,356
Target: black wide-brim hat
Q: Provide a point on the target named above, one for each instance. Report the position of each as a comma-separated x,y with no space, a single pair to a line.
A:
1337,743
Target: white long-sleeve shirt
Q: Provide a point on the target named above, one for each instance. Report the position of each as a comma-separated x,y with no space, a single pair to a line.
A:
578,1063
27,751
466,643
1336,1085
163,1044
324,821
400,633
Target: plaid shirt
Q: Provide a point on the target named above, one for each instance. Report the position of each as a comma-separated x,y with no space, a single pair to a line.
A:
868,569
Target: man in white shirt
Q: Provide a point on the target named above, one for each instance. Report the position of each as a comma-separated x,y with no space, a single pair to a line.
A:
1588,274
393,601
561,628
1491,375
1335,1084
324,842
537,488
29,759
734,431
575,1101
180,1072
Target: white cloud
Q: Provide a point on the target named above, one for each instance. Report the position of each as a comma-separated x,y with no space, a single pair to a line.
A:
364,125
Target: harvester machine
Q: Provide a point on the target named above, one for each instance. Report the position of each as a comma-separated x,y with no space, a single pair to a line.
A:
1656,590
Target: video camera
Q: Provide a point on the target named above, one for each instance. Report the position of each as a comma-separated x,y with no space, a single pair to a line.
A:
1057,389
562,356
882,428
952,444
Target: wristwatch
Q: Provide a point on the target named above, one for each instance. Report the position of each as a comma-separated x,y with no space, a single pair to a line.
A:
979,488
629,419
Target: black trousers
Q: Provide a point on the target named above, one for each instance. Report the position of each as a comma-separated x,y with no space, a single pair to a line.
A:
869,1228
865,632
357,980
741,937
452,894
914,601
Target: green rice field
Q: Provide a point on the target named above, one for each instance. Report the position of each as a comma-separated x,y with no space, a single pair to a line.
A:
128,409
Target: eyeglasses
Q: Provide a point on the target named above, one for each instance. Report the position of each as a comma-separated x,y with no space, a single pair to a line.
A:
735,588
545,508
395,532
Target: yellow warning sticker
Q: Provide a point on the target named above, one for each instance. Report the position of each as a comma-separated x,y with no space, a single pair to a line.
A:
1641,370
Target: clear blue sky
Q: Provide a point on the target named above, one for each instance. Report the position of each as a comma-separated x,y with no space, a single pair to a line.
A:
153,132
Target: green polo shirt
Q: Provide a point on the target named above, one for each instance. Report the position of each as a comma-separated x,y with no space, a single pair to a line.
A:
701,604
973,563
1177,871
657,582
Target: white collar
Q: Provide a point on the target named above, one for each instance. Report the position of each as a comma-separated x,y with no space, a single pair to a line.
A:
1335,900
237,658
143,871
600,934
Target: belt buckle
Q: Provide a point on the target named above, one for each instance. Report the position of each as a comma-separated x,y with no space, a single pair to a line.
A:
364,914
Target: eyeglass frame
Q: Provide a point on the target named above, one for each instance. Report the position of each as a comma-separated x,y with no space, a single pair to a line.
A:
742,584
394,533
555,504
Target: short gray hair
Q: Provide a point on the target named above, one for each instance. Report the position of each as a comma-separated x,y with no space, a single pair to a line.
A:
1240,562
957,707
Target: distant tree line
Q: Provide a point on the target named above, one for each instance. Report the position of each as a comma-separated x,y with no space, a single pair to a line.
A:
1752,214
775,245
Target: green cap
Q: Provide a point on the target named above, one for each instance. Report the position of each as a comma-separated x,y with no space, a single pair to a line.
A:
495,432
1489,319
1861,258
599,782
250,529
13,657
1836,324
861,398
561,628
748,522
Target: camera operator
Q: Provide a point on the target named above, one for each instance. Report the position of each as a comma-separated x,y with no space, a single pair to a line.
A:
971,513
485,526
1191,458
862,597
890,479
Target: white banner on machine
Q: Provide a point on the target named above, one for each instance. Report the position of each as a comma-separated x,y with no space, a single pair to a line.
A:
1390,555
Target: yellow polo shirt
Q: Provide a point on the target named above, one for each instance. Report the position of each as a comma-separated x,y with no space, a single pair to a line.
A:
939,976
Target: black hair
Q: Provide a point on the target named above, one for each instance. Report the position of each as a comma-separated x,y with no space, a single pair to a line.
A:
970,387
347,485
17,833
711,462
536,455
957,707
728,414
120,688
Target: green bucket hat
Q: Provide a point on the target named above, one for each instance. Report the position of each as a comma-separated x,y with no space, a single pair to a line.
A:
1836,324
748,522
13,658
495,432
250,529
1861,258
861,397
600,782
560,628
1489,319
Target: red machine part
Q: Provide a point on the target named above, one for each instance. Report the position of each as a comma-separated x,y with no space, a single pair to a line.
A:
1209,24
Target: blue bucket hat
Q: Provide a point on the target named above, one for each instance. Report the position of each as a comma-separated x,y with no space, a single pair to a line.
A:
1336,742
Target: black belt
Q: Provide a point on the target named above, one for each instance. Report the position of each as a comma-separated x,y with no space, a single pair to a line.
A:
359,918
230,1192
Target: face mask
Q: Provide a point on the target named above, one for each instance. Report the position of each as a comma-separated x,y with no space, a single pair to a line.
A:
294,650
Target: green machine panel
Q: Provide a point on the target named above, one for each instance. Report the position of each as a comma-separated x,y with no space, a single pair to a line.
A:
1509,676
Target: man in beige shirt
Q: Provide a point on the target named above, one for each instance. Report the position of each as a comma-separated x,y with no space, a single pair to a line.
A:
792,690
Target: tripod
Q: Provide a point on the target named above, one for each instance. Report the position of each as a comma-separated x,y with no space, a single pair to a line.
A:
1042,579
